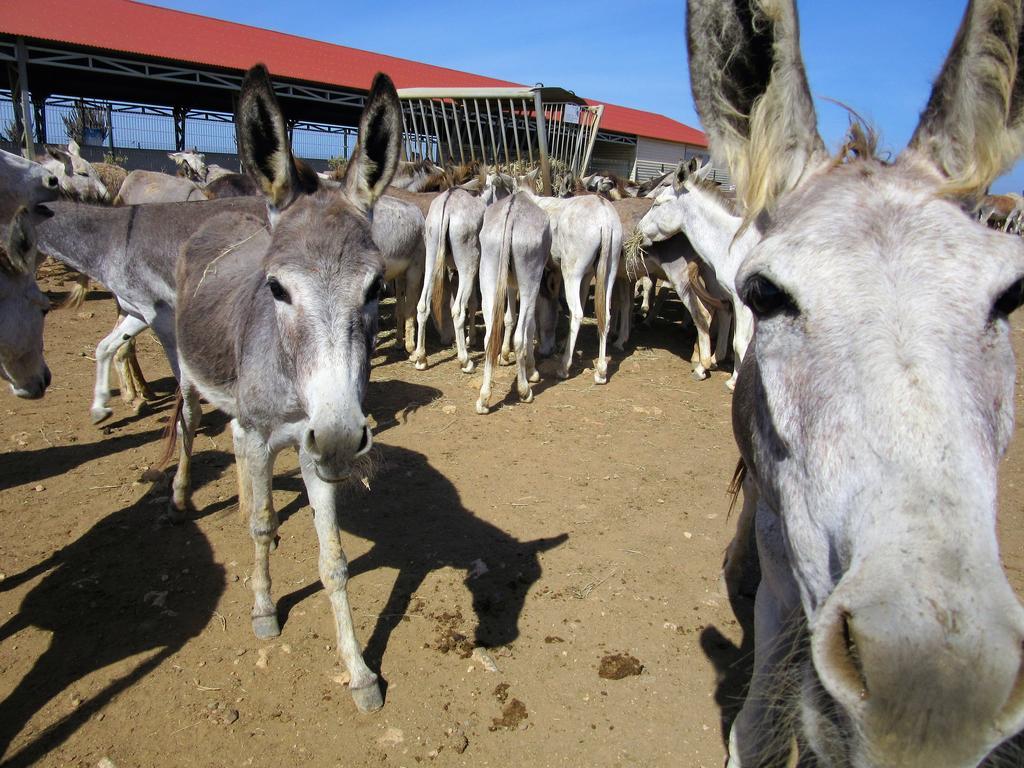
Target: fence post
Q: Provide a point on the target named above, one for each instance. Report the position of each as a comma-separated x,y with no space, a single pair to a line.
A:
542,143
110,127
180,114
21,54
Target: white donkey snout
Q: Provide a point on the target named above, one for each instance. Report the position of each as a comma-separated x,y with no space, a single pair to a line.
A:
934,674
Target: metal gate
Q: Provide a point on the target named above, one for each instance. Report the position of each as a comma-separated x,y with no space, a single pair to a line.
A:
515,129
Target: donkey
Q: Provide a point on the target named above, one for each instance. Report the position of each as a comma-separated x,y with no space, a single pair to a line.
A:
141,187
516,234
886,632
22,309
452,237
79,180
693,205
276,329
586,240
451,232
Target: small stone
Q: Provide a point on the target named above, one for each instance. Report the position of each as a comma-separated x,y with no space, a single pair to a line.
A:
484,659
152,475
241,652
392,737
106,762
687,535
100,717
449,409
263,653
285,648
343,679
234,577
458,742
39,488
230,716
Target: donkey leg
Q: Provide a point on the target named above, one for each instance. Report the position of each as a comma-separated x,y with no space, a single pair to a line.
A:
191,413
601,365
624,302
474,305
572,298
242,470
702,321
413,279
488,281
419,354
744,332
125,330
334,574
258,464
460,302
724,318
506,357
524,348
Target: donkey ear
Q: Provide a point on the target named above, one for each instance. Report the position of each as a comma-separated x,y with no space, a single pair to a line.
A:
751,91
62,157
378,147
19,256
73,148
973,127
263,140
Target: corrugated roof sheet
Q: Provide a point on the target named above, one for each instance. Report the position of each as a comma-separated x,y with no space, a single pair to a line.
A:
132,27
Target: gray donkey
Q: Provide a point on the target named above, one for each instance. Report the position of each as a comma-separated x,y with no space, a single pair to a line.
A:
276,329
516,234
132,250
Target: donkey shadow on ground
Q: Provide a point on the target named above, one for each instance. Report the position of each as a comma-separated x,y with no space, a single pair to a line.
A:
417,524
126,588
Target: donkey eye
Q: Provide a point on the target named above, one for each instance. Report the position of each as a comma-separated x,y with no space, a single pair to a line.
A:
766,299
277,290
375,291
1010,300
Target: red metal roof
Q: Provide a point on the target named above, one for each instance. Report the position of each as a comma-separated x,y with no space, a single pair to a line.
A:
132,27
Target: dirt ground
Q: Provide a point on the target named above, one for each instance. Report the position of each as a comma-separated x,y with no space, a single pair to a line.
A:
578,538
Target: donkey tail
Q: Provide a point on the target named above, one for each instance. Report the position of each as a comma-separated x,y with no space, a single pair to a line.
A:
604,258
436,281
699,290
497,334
170,436
79,290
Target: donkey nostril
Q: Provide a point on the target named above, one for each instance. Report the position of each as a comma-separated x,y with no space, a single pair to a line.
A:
311,442
853,657
51,182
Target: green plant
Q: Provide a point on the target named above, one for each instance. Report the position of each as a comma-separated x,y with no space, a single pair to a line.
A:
114,159
82,117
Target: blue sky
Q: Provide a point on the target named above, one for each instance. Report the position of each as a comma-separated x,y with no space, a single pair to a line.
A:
877,56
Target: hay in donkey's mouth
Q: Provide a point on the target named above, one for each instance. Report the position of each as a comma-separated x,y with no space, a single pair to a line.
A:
633,251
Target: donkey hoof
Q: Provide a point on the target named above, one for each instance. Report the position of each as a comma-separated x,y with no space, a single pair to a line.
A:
528,397
421,365
265,627
698,374
600,377
368,698
730,386
562,373
534,377
482,408
469,367
172,515
100,414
